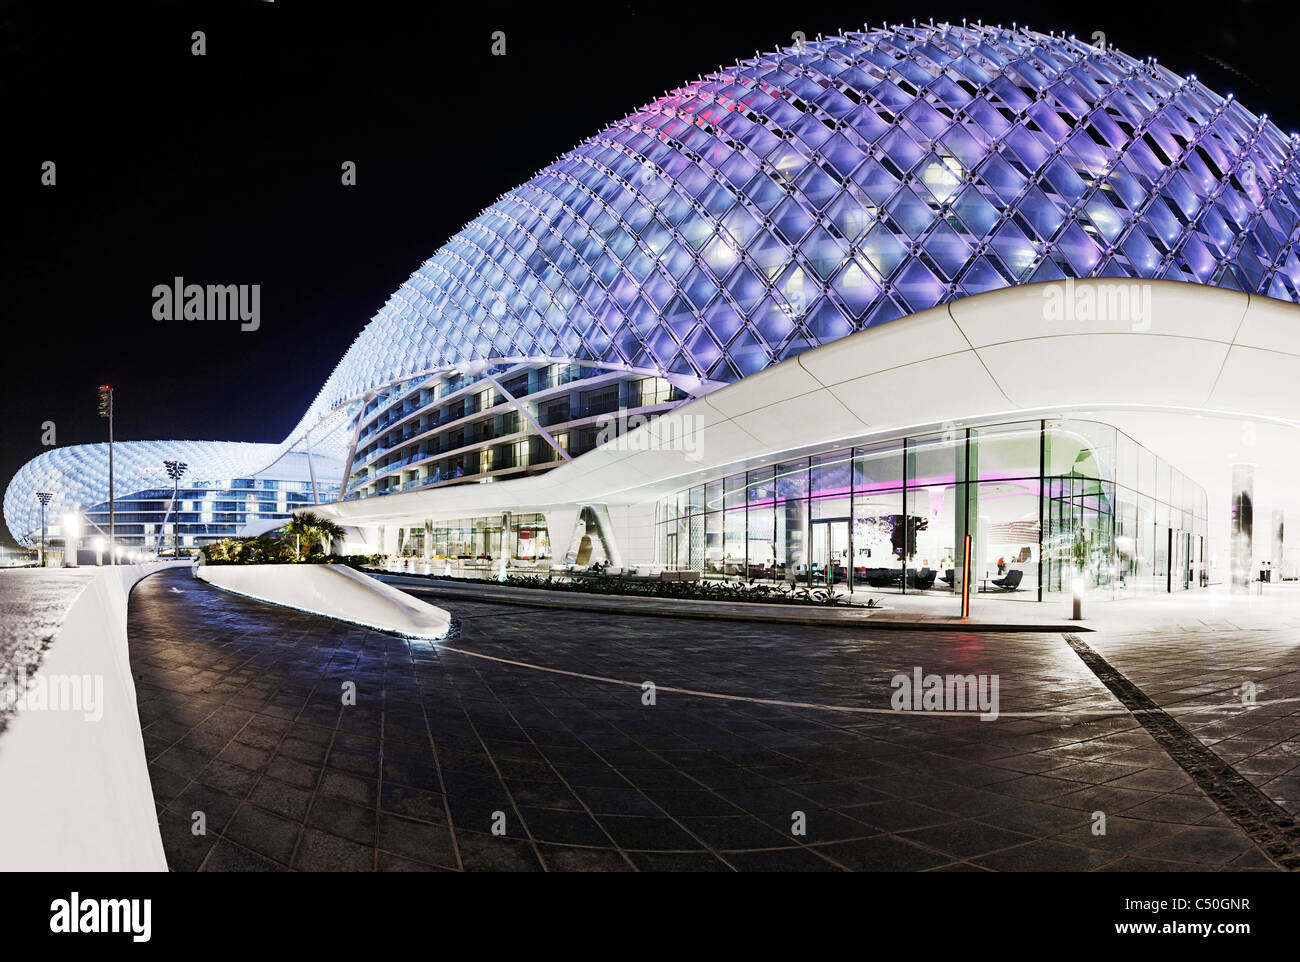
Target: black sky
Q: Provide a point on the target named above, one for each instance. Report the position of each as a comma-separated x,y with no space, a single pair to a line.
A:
225,169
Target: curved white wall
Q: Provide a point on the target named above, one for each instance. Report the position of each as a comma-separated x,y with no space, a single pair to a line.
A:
1206,377
75,794
335,591
1200,350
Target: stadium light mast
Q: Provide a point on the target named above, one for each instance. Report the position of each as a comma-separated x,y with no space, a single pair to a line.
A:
106,412
175,471
44,498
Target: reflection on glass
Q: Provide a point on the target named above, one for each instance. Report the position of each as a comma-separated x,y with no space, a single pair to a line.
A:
878,467
713,547
894,516
877,540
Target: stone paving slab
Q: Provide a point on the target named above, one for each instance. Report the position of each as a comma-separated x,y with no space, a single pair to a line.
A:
1207,679
522,725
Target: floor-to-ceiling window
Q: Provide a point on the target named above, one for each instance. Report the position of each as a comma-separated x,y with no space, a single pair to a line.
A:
733,526
1005,458
830,487
760,495
1043,503
791,510
937,516
526,540
713,533
877,514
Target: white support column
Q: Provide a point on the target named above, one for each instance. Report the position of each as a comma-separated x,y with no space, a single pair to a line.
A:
1243,525
560,525
1279,542
605,531
311,468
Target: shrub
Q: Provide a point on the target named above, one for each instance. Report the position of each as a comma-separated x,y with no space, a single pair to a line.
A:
247,551
355,560
751,592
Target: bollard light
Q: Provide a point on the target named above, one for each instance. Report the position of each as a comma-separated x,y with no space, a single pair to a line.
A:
98,545
1078,599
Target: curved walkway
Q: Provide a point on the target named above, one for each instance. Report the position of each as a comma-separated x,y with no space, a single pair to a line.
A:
448,761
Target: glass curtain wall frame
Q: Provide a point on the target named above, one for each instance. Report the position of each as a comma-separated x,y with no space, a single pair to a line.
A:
1043,501
466,539
1116,515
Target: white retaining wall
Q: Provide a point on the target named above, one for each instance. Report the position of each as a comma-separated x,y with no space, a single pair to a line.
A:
74,792
335,591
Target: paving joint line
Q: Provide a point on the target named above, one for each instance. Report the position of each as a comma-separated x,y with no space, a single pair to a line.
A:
1269,826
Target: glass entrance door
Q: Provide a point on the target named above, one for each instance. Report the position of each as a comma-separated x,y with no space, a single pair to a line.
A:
1078,526
829,561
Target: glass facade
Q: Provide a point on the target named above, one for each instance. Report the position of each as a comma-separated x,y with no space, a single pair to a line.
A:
1043,502
453,428
225,485
525,539
207,513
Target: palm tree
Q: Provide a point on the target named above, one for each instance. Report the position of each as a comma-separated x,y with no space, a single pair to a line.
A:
300,530
327,532
310,528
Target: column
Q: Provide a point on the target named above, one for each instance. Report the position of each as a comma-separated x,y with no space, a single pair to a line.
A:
795,516
1243,526
601,525
1279,543
561,529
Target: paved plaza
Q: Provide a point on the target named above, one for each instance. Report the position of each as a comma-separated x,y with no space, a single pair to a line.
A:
526,743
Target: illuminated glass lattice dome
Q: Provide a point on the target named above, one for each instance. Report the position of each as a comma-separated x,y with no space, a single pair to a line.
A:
77,475
798,196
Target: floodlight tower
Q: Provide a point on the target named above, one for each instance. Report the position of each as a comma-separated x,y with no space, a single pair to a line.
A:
44,498
175,471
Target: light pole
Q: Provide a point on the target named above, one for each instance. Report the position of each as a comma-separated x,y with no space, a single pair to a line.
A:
106,412
44,498
175,471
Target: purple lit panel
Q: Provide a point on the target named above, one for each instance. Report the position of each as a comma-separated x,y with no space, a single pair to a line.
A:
836,154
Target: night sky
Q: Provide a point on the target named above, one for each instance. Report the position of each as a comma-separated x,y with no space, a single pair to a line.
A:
225,168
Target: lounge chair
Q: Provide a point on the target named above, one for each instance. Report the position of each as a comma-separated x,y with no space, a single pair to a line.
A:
882,577
1011,582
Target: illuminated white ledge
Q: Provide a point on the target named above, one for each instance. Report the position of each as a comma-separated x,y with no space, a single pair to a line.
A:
334,591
